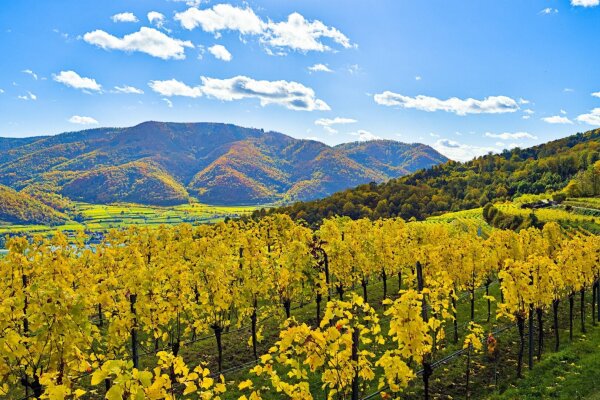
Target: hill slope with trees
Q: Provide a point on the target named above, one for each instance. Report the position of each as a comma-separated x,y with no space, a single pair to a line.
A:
455,186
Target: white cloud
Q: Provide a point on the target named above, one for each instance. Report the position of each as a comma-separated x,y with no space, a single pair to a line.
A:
334,121
489,105
596,94
222,17
585,3
460,151
314,138
526,117
292,95
146,40
77,119
563,112
128,90
529,111
190,3
568,90
156,18
319,68
169,102
124,17
354,69
220,52
418,78
28,96
557,119
174,87
326,123
30,72
523,101
296,33
548,11
365,136
1,91
592,118
510,136
72,79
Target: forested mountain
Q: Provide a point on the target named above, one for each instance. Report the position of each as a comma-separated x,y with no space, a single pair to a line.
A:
167,163
19,207
455,186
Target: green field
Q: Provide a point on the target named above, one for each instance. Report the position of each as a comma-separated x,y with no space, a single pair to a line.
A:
98,217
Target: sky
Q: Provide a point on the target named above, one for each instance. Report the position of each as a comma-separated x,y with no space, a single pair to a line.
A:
466,77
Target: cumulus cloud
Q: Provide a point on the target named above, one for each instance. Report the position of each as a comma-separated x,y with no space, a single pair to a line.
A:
489,105
31,73
146,40
220,52
295,33
173,87
510,136
124,17
591,118
222,17
292,95
28,96
585,3
169,103
78,119
596,94
128,90
319,68
557,119
156,18
74,80
460,151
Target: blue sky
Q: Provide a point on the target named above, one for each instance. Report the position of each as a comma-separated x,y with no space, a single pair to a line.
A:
466,77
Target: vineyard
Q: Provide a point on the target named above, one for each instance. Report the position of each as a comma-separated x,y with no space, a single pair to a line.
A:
271,309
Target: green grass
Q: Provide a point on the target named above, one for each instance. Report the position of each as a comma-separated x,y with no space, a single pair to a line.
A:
572,373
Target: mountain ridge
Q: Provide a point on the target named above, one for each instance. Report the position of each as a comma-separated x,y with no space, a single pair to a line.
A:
164,163
453,186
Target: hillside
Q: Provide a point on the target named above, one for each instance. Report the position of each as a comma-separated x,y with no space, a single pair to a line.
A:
166,163
20,208
455,186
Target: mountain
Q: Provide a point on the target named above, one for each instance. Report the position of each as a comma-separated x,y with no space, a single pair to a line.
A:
168,163
21,208
550,167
